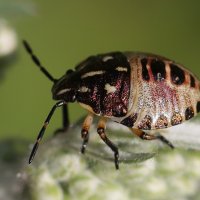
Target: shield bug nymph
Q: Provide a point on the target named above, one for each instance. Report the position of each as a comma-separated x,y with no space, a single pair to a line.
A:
139,90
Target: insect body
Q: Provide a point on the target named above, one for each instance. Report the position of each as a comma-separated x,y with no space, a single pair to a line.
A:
139,90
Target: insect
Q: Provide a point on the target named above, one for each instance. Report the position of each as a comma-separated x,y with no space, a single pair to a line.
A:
139,90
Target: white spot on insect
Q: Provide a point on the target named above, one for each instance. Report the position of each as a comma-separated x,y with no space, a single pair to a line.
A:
63,91
109,88
84,89
120,69
106,58
177,79
92,74
158,77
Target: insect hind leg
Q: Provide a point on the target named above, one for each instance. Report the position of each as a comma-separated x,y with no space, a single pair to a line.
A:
140,133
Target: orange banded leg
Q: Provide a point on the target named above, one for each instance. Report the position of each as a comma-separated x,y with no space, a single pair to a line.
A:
101,131
85,130
140,133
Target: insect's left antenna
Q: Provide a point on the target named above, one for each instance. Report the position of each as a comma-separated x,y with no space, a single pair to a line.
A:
37,62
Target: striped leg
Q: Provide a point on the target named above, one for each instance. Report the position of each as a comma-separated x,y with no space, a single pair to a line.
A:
85,130
101,131
140,133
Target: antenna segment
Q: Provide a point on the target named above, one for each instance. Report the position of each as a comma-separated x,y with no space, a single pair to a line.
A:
37,62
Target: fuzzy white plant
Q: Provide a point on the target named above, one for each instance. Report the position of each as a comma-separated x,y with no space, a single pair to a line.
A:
148,169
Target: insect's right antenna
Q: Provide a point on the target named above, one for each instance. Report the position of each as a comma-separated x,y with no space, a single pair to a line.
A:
37,62
41,133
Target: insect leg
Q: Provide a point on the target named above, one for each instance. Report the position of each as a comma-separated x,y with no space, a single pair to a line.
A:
41,133
101,131
140,133
85,130
65,118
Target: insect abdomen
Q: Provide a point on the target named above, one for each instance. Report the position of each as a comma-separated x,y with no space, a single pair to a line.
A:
166,93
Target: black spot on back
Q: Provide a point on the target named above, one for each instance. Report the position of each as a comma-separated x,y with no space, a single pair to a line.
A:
177,74
161,122
145,73
129,121
198,106
189,113
158,70
192,81
176,119
145,124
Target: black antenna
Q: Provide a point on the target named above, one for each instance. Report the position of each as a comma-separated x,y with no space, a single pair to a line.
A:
37,62
61,103
41,133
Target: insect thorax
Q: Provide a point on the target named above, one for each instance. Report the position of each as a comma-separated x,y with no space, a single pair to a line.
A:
105,84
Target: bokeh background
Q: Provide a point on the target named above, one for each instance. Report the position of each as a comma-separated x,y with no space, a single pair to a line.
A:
63,32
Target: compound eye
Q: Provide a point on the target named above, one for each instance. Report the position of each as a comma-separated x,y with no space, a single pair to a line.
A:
69,71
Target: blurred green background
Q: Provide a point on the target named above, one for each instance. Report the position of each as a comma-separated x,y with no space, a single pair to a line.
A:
64,32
